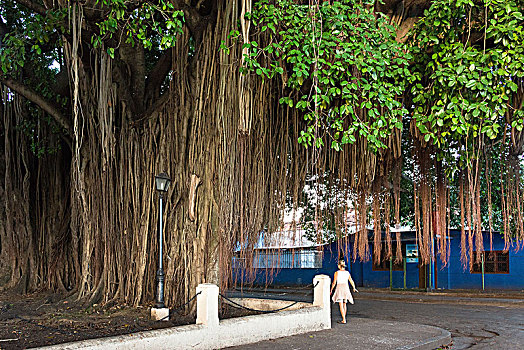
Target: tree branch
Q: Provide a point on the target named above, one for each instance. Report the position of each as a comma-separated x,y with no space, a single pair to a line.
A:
32,6
158,74
161,101
119,77
197,17
3,31
34,97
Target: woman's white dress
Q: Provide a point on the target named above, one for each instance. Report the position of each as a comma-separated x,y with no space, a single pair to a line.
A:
342,293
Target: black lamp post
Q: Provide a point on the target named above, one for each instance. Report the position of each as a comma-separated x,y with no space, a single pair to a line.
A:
162,182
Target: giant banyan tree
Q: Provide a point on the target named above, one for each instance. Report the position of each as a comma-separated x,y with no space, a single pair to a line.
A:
240,102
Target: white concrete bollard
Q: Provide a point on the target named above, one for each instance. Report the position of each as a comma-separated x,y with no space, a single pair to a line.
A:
207,305
321,297
160,314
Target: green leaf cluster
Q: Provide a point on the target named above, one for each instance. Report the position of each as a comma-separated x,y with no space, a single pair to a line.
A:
27,37
152,24
469,63
32,52
340,63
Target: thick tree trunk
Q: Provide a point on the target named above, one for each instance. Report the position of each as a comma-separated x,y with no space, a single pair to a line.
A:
94,225
34,227
198,134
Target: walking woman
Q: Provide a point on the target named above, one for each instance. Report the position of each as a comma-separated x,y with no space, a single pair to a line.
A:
342,294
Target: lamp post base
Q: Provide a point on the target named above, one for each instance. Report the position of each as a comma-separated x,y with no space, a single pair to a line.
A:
160,314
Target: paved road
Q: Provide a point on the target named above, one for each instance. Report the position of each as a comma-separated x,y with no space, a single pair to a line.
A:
471,326
475,323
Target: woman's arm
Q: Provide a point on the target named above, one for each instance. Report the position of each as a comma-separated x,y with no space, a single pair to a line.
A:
352,284
334,282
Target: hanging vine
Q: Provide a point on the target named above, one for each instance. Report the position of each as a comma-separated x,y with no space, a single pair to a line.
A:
242,103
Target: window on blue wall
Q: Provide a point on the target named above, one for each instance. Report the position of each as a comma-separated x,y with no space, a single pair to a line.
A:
300,259
494,262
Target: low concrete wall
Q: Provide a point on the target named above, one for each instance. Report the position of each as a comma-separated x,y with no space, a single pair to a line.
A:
268,304
210,333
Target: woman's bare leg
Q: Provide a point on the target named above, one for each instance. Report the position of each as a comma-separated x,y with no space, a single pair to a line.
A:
345,306
342,313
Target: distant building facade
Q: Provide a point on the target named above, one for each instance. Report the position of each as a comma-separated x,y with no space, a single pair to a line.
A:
298,264
502,269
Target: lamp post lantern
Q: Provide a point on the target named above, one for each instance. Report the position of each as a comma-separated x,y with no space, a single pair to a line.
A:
162,182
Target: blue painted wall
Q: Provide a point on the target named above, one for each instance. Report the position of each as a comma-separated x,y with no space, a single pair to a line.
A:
380,279
452,276
455,276
297,276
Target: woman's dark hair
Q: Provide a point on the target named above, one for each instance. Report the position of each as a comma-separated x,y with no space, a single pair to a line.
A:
342,263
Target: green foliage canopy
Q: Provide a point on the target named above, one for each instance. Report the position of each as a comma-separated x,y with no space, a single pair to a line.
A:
153,24
457,78
33,36
468,57
341,64
343,67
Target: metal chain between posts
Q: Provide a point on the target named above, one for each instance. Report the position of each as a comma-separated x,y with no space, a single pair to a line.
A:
263,311
235,303
255,310
309,286
175,309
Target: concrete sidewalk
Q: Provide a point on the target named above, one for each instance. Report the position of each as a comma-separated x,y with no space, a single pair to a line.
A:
365,333
361,334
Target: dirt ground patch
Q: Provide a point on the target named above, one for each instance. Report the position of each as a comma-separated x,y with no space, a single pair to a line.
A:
45,319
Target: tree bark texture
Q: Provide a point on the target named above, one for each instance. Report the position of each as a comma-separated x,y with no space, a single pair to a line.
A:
86,219
35,240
